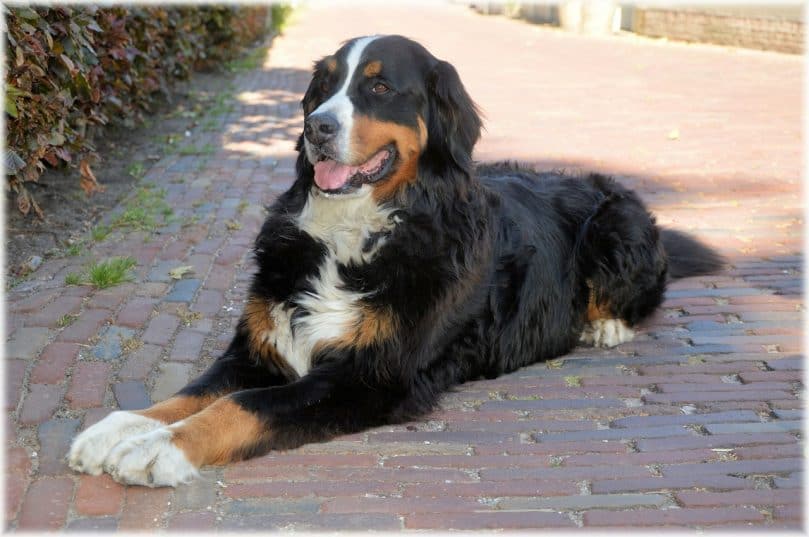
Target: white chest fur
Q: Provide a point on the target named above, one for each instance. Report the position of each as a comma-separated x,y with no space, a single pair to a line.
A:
343,224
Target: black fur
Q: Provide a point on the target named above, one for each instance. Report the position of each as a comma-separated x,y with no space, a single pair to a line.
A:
490,268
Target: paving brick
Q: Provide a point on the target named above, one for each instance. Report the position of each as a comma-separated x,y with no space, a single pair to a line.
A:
609,485
199,494
139,363
714,441
50,315
40,403
272,506
559,473
53,363
161,329
94,415
15,374
230,255
98,495
647,458
113,297
765,427
135,312
160,272
111,342
145,508
54,440
31,303
323,489
312,522
672,517
493,520
101,524
171,377
299,473
203,521
209,302
18,466
795,363
183,290
615,434
738,497
219,278
87,326
758,466
187,346
580,503
696,419
26,343
700,397
131,395
88,384
789,512
401,505
464,437
46,504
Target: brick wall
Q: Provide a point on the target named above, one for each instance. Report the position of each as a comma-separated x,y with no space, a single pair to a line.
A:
735,28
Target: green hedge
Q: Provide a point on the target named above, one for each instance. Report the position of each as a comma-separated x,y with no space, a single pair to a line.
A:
68,68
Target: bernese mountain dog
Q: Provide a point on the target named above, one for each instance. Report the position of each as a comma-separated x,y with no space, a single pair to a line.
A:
396,267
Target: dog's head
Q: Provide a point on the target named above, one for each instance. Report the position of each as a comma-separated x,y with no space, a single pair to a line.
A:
378,107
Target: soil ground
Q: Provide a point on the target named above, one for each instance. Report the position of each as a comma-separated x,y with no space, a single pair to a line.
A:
126,155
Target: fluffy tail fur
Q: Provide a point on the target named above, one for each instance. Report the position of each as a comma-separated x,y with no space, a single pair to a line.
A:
689,257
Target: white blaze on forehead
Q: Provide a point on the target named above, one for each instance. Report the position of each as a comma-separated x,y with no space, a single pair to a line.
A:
340,105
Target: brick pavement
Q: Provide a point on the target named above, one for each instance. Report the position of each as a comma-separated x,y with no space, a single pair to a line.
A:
695,424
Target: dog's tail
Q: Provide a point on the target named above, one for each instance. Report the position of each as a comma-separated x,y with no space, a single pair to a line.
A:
687,256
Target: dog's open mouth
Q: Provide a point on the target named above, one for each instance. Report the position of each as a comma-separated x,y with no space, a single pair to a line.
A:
335,177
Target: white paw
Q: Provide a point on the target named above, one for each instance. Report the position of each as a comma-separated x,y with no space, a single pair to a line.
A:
150,459
607,333
91,447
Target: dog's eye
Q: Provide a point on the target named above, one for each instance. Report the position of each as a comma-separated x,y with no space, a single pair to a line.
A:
324,86
380,88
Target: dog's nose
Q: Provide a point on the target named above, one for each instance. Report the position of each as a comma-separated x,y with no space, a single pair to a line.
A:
320,128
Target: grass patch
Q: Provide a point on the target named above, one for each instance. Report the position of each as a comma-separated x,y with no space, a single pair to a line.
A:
110,272
136,170
73,278
145,211
66,320
100,232
233,225
207,149
223,103
74,249
103,274
573,381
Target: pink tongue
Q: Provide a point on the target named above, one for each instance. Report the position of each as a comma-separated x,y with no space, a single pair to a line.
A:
331,175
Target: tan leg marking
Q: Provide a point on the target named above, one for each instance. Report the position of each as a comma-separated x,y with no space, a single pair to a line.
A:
217,434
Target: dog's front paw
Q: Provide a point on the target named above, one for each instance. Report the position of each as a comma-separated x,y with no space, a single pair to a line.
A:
150,459
607,333
91,447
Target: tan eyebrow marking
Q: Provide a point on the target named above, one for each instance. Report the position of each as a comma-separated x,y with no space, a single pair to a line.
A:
331,64
372,68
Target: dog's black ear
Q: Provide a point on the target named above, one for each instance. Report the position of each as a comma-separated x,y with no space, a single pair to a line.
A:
313,96
454,123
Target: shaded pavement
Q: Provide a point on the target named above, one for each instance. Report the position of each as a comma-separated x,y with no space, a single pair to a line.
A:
694,424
